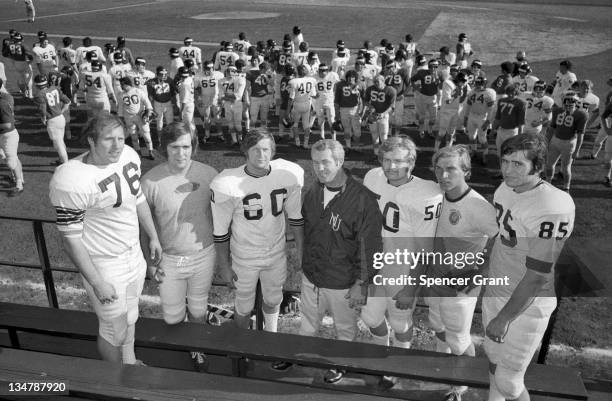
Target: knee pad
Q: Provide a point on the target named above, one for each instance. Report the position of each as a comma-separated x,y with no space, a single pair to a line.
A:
510,383
114,331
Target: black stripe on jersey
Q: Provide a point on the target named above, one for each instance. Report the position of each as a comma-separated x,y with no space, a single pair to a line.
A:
66,216
221,238
296,222
538,265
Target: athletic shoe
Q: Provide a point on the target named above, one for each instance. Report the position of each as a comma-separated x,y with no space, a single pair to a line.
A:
452,396
200,361
387,382
281,366
15,192
334,375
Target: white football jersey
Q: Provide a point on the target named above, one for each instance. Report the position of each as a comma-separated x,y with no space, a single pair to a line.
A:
326,86
464,226
536,108
589,103
208,83
250,209
82,51
481,101
225,59
186,89
533,227
134,101
301,90
563,84
98,85
191,52
45,56
119,71
139,79
66,57
241,46
175,64
86,67
338,65
299,58
98,204
450,98
233,85
525,84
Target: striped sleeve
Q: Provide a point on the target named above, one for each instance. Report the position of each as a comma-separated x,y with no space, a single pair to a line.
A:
70,221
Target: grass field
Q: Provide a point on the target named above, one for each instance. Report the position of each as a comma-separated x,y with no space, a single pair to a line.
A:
549,31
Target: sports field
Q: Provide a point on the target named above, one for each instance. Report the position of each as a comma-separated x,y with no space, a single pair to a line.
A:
548,31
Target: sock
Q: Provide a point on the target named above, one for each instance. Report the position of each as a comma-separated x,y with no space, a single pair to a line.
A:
381,340
271,322
494,394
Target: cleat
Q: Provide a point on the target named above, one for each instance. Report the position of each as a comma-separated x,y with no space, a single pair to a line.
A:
334,375
387,382
281,366
452,396
15,192
200,361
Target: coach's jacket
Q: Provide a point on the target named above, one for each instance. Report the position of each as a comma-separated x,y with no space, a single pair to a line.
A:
337,236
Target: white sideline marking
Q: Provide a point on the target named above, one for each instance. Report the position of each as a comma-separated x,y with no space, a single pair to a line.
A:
570,19
85,11
112,39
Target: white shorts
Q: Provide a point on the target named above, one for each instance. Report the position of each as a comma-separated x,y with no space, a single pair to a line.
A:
164,111
55,127
316,301
453,316
233,114
186,277
561,149
126,273
380,129
474,128
271,271
398,113
187,113
133,121
325,109
425,105
301,111
448,121
9,142
524,333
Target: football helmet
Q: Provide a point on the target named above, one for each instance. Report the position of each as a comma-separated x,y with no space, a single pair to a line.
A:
42,35
289,69
140,64
228,47
271,43
91,56
189,63
188,41
18,37
303,47
183,72
340,44
511,90
476,64
67,41
87,41
96,65
461,77
524,68
120,40
323,69
351,77
433,63
40,81
401,54
240,64
288,121
109,47
420,60
287,46
161,72
337,126
454,68
125,81
173,52
570,98
118,57
480,83
301,70
539,88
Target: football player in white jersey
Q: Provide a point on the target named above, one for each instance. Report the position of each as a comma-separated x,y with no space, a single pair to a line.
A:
140,75
45,56
300,56
176,62
81,51
30,10
185,87
453,94
339,63
464,51
479,115
207,95
98,89
100,206
249,204
241,45
538,112
466,226
189,51
524,81
233,87
324,100
301,91
66,55
119,70
226,58
535,219
410,208
589,102
137,110
410,47
564,79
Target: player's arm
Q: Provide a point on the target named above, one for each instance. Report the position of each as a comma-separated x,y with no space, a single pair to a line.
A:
145,219
293,210
42,108
222,208
109,88
581,125
607,126
65,101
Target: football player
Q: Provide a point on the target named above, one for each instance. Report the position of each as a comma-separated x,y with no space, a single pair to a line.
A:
137,112
426,82
66,55
297,38
22,61
188,263
45,56
348,100
119,70
466,226
66,81
564,79
185,87
241,45
539,109
191,52
446,59
52,104
379,101
30,10
324,101
464,51
9,140
509,117
453,94
339,63
250,205
283,103
302,90
410,208
602,135
225,58
569,127
300,56
500,83
82,51
140,75
257,87
606,126
341,48
479,116
100,211
399,80
125,52
207,96
176,62
312,64
524,80
85,66
410,47
535,219
98,89
233,87
162,93
589,102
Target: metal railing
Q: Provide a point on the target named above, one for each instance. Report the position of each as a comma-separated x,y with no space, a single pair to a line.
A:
47,273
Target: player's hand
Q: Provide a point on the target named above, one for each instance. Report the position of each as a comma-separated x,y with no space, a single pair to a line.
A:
44,121
357,295
497,329
485,126
229,276
156,251
404,299
106,293
156,273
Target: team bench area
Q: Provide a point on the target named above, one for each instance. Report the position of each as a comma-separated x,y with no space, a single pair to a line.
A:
544,382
